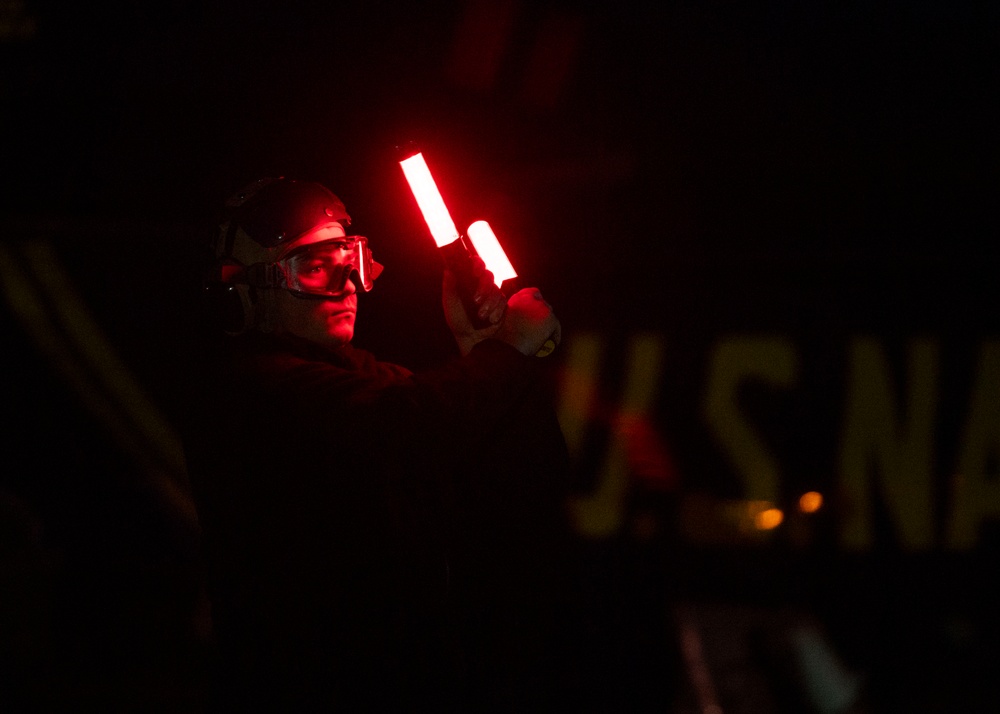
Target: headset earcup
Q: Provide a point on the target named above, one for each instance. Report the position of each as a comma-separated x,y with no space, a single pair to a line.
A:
230,307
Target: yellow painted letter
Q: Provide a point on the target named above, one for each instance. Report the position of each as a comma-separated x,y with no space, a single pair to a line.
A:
770,359
899,449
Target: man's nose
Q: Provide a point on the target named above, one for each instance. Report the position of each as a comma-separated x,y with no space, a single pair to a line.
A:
348,287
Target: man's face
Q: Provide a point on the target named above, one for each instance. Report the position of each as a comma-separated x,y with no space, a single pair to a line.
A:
328,321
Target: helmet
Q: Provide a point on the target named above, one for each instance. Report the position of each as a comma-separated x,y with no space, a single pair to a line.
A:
258,246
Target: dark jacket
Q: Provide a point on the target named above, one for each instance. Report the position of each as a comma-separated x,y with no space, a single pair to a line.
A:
377,539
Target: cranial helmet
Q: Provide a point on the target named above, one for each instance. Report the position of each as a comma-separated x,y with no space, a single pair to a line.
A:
262,225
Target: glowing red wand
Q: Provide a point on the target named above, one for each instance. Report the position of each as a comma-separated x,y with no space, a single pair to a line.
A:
484,241
454,247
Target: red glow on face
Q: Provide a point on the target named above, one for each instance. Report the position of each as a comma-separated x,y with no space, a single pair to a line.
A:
485,242
328,322
429,200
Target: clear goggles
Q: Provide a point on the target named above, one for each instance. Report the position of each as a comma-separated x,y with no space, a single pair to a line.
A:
324,268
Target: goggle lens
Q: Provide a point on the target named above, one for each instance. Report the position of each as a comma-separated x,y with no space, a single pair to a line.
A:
324,268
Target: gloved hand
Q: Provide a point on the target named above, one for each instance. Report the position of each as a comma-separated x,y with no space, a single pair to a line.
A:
490,302
525,320
529,322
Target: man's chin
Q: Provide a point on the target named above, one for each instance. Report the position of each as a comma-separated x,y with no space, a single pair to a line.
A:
340,336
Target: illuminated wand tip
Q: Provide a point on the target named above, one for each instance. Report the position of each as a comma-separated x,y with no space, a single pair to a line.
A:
484,240
429,200
406,149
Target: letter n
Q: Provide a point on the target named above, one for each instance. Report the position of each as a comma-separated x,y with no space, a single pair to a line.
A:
876,439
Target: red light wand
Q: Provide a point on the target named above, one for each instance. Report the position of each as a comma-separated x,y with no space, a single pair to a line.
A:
456,249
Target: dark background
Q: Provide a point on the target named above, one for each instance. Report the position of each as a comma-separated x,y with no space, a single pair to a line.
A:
693,170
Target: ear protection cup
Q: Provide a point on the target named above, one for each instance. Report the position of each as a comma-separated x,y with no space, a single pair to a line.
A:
232,308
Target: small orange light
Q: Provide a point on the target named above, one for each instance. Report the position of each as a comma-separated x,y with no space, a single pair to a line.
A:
810,502
769,519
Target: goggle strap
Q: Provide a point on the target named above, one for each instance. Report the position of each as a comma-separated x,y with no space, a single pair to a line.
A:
264,275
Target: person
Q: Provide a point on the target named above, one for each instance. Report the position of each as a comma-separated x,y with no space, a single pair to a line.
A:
375,539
